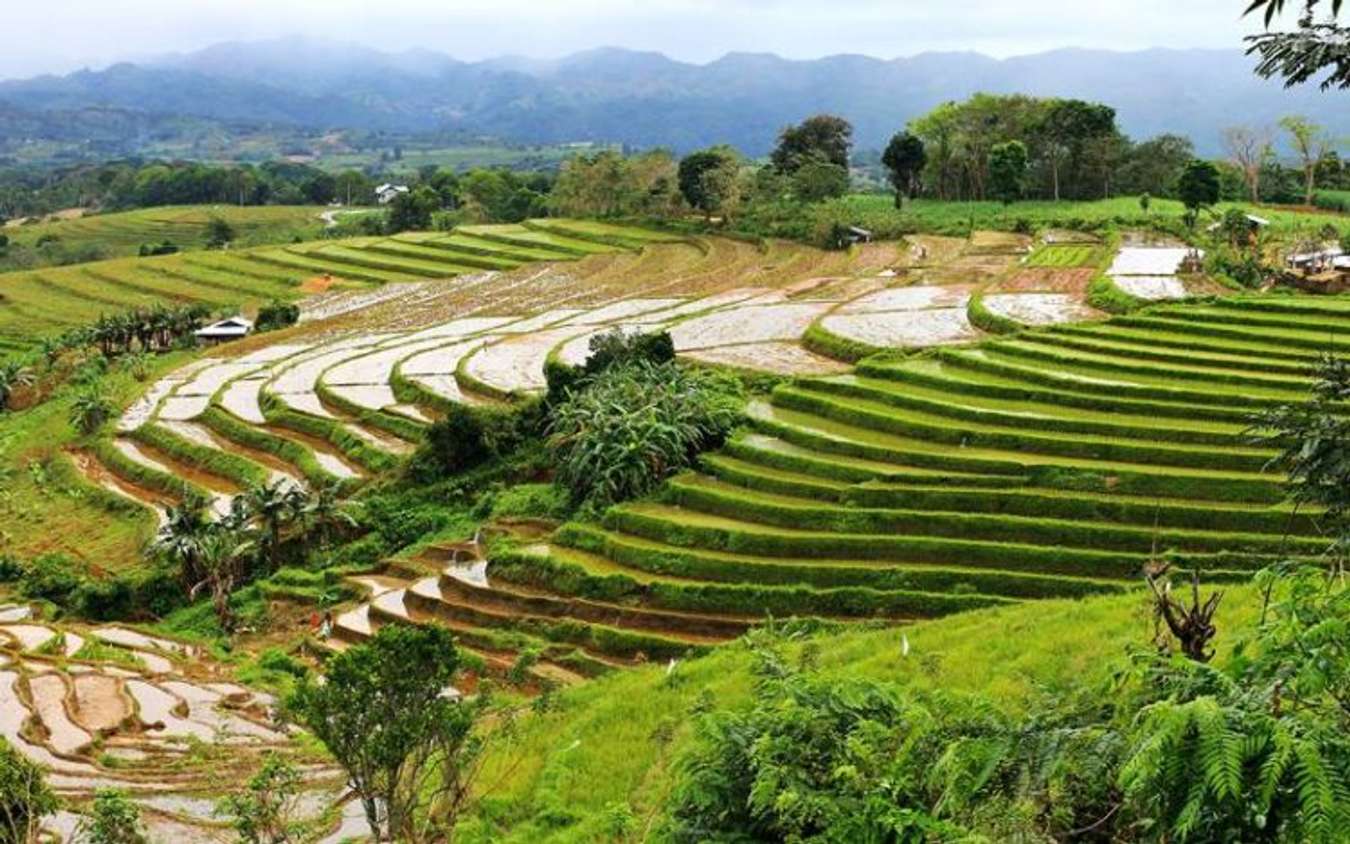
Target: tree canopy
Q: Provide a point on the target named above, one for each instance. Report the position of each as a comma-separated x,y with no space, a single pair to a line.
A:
824,136
904,159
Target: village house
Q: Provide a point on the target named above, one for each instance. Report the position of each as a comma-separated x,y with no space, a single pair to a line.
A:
387,193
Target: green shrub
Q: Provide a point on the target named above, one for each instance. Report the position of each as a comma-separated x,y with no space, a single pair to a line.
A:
634,425
541,501
607,349
470,436
52,577
277,314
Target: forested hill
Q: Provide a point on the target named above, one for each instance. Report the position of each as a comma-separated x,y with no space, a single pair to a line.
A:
647,99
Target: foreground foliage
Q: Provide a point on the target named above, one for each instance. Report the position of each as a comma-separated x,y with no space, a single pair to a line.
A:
409,743
1173,750
25,798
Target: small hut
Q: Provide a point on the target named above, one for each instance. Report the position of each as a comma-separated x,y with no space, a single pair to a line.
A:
234,328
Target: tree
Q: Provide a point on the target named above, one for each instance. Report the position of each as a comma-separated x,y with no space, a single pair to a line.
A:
274,505
219,233
220,554
609,185
412,211
322,513
823,136
1198,188
1153,166
1249,150
1314,442
1008,171
409,744
1316,48
113,820
904,159
709,179
1312,143
265,813
817,179
1066,127
25,798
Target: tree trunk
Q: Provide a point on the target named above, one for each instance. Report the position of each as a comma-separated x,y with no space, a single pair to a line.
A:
1309,184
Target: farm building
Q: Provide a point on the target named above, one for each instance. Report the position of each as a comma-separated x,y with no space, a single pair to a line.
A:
1319,260
227,329
387,193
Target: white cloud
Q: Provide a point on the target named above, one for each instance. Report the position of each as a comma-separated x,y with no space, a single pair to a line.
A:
61,35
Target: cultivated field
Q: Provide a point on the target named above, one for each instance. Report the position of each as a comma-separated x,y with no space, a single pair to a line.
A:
123,233
1052,464
42,302
1024,467
104,706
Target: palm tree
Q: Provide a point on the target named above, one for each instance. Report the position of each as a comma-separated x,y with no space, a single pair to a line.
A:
90,410
13,375
274,505
324,514
180,538
221,552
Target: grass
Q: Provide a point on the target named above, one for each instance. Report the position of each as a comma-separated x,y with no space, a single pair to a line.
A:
46,505
611,745
878,213
122,234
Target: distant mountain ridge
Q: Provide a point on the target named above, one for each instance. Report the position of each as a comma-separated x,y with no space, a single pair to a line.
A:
647,99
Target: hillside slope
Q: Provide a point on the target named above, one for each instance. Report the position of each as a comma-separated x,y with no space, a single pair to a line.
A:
610,745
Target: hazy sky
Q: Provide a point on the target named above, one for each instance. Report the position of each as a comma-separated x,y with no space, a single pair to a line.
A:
63,35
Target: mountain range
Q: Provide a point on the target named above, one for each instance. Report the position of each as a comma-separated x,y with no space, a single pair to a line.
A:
644,99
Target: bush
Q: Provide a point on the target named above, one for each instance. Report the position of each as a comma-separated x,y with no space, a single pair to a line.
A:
113,820
608,349
52,577
636,424
470,436
534,501
149,250
277,314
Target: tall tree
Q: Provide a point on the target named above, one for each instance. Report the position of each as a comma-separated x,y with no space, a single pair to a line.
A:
1311,143
25,797
1008,171
823,136
709,179
1198,188
1248,149
904,160
1067,126
412,211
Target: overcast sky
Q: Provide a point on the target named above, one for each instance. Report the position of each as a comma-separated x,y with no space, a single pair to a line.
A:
64,35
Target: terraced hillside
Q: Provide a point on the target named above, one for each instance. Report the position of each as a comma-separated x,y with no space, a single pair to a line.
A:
112,707
37,303
123,233
1054,463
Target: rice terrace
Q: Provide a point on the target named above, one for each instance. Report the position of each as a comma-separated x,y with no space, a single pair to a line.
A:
642,458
